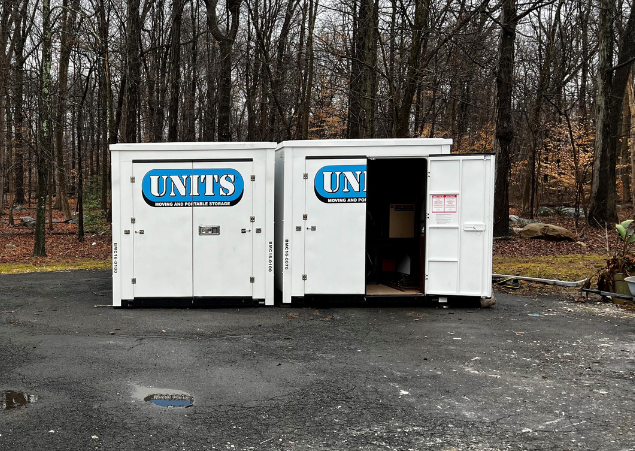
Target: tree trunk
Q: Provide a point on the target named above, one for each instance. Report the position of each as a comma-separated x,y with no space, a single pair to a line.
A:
504,127
175,70
225,41
363,83
534,119
80,160
309,69
80,177
68,27
6,21
189,122
623,150
277,85
209,124
133,60
3,152
419,42
620,117
224,91
45,148
584,20
21,35
603,209
251,85
630,99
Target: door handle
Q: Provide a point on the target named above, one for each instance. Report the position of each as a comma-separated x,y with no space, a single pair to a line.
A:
312,228
140,232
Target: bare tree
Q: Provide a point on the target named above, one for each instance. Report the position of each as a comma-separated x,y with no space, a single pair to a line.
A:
133,72
7,18
45,150
66,42
611,88
504,128
175,69
225,38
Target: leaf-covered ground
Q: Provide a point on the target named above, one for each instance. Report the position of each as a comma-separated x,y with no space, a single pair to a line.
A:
63,249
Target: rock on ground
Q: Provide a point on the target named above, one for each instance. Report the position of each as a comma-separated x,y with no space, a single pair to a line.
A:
570,212
28,221
520,221
545,211
547,232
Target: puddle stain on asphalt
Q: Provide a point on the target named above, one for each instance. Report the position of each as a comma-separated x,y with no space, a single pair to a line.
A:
163,397
170,400
12,399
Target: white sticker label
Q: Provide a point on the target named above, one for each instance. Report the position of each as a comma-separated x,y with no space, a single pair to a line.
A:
444,203
438,204
443,219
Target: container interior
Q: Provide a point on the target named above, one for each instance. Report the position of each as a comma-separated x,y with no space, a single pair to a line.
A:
395,226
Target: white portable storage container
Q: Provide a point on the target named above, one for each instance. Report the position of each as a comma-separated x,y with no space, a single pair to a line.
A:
389,217
192,221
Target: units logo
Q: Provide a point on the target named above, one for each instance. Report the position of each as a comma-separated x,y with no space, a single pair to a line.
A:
192,188
341,183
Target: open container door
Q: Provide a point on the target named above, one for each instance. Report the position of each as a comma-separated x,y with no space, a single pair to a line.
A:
335,226
459,225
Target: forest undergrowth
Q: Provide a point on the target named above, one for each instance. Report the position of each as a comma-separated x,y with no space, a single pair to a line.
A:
63,249
563,260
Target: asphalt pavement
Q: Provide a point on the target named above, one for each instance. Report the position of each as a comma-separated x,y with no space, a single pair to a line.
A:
530,373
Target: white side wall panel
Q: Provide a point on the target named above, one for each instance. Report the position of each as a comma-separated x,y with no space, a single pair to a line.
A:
296,215
116,230
266,174
126,249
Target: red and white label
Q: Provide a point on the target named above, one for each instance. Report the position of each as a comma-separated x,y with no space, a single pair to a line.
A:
444,203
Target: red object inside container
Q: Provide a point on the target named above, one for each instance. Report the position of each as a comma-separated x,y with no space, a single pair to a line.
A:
388,265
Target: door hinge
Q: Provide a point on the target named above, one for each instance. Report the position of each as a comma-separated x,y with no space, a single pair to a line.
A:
132,179
134,281
132,220
253,178
305,176
303,276
252,219
305,217
252,279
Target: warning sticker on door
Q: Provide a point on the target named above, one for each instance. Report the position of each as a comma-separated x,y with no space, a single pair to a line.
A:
444,203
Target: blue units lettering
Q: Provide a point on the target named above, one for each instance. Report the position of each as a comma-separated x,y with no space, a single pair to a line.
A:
341,184
188,188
